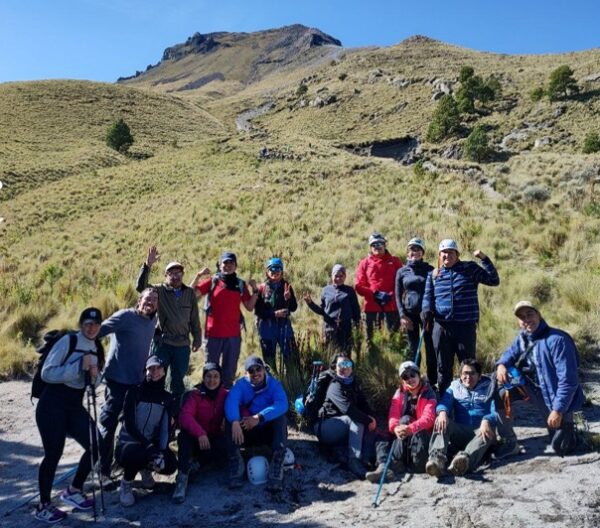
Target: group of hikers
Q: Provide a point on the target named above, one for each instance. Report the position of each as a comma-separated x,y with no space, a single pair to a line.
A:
435,424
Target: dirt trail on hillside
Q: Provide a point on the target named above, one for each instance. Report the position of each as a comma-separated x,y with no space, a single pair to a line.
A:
534,489
243,120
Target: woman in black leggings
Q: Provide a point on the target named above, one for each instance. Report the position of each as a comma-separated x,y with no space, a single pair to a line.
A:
70,365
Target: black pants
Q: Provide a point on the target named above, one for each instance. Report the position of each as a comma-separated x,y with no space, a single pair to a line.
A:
375,319
273,434
449,340
412,452
114,399
60,413
339,339
132,457
188,448
413,342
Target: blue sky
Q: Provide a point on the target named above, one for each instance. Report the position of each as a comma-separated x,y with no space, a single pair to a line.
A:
104,39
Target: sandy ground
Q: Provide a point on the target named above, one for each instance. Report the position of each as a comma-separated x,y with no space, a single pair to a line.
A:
533,489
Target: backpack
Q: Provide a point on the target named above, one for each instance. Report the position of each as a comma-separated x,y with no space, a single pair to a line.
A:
50,339
308,405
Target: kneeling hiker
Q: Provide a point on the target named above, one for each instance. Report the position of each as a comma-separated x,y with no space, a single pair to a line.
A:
201,421
411,418
143,442
471,428
547,359
255,413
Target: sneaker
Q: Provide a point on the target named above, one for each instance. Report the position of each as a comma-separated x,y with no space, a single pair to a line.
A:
460,464
148,481
436,466
49,513
236,470
507,448
126,496
375,475
181,482
77,499
357,468
275,480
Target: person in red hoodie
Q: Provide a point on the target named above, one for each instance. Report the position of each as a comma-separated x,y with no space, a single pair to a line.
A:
410,422
201,422
375,281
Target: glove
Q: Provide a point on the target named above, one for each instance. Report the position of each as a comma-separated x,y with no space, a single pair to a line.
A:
382,298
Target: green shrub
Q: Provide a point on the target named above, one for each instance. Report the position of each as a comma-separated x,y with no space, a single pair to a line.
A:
445,121
562,83
342,76
536,193
591,143
537,94
301,90
477,145
119,136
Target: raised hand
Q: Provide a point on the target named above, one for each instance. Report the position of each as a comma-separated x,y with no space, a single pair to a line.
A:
152,257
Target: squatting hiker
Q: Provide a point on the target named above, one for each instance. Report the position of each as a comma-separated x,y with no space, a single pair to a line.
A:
143,442
201,421
450,302
256,414
547,360
276,301
410,422
59,412
340,311
224,292
177,318
374,280
410,287
466,417
131,332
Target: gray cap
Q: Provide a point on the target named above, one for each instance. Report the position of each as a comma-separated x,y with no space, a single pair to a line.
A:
407,366
448,243
154,361
416,242
377,238
338,268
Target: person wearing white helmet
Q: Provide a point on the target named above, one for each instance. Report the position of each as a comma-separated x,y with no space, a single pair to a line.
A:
451,306
410,287
374,281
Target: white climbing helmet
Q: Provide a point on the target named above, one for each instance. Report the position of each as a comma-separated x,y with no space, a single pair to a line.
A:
258,469
289,459
448,243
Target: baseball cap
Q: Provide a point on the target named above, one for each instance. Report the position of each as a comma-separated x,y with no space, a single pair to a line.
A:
524,304
338,268
408,366
154,361
174,264
90,315
377,238
227,255
416,242
253,361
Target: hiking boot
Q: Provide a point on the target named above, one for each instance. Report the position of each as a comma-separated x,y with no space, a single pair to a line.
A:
126,496
236,470
77,499
375,475
181,482
460,464
49,513
275,480
436,466
106,482
507,448
357,468
148,481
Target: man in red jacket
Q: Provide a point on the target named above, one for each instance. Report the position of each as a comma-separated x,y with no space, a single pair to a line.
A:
375,281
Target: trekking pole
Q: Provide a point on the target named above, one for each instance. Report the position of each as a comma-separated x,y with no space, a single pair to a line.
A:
375,502
97,435
88,393
418,354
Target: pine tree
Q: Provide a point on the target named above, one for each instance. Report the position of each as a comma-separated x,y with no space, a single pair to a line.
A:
477,145
119,136
562,83
445,120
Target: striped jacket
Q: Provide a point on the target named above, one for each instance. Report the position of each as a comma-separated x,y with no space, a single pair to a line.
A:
452,295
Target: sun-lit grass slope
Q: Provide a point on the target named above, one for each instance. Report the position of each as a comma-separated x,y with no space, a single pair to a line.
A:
52,129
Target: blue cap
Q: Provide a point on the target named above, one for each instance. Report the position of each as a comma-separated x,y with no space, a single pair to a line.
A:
227,255
275,263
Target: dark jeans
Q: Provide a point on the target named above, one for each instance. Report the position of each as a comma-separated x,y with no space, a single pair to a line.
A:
449,340
133,457
227,348
273,434
563,439
177,362
60,413
189,449
413,342
114,399
376,319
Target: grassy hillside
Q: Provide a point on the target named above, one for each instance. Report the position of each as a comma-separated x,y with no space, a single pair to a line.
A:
78,237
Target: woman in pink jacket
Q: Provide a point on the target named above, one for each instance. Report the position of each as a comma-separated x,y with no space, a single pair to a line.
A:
410,422
201,422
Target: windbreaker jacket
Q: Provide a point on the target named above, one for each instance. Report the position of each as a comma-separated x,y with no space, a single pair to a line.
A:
410,286
201,415
469,407
269,401
425,410
556,360
375,273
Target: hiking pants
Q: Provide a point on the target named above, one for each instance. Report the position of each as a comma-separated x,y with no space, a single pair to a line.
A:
114,399
189,449
177,362
272,433
375,319
273,333
133,457
449,340
563,439
59,413
460,437
413,343
411,451
229,349
341,430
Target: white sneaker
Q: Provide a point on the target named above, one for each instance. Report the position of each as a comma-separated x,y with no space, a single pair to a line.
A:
126,496
148,481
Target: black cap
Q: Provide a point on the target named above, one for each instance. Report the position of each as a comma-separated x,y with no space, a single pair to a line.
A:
227,255
92,315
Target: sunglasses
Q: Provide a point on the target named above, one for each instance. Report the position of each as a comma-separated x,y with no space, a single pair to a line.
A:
344,364
408,375
275,269
377,245
254,370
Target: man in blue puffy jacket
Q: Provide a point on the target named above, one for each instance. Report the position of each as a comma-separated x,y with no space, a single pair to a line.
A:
255,413
547,360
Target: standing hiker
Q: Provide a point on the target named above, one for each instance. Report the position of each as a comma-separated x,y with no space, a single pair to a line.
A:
451,306
339,309
72,363
177,318
131,332
225,292
276,301
374,280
